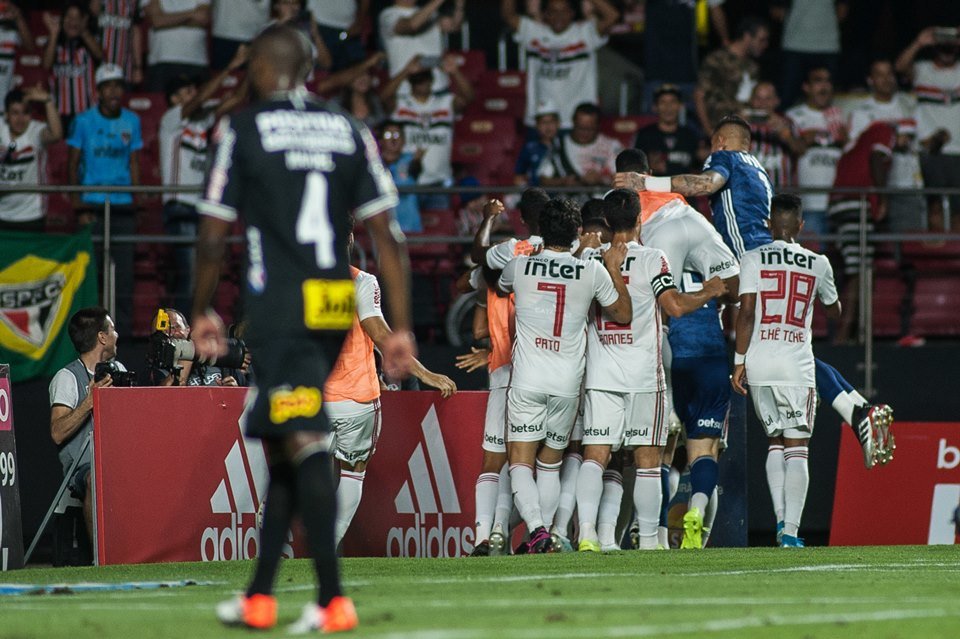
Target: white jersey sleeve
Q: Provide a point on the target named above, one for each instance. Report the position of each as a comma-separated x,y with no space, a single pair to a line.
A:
498,255
826,286
603,289
509,275
749,272
368,296
63,390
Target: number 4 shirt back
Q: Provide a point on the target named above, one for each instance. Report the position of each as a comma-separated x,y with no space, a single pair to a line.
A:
786,278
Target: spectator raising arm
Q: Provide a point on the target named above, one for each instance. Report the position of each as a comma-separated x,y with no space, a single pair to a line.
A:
336,81
13,13
462,90
452,23
388,92
904,64
607,15
160,19
413,24
53,132
210,87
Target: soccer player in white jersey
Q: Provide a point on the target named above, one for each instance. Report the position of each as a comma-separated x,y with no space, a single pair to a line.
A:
494,500
778,286
625,382
553,292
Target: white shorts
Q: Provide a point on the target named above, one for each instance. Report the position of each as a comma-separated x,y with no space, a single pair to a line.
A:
785,410
496,417
577,434
534,416
625,419
355,427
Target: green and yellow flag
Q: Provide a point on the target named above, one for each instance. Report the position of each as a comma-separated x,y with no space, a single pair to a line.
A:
44,279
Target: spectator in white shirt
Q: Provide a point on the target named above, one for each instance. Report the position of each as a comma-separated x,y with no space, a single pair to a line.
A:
936,84
235,22
14,35
561,54
184,143
591,154
408,31
341,23
24,140
178,40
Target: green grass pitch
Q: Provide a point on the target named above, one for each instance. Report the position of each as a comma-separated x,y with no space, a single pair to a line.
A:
887,592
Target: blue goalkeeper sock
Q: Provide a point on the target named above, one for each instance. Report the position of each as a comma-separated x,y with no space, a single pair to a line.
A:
703,479
665,503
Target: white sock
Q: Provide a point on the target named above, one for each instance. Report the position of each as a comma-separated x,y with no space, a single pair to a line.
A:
663,537
525,495
610,502
775,472
647,496
548,484
709,515
674,482
844,404
501,516
857,398
348,500
568,493
488,485
589,491
699,501
796,480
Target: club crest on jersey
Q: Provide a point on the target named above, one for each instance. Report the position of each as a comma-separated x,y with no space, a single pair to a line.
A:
33,308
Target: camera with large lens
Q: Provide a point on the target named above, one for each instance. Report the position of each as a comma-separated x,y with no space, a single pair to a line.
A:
119,377
165,352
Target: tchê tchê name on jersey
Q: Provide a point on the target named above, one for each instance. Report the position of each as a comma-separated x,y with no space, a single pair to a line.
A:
781,334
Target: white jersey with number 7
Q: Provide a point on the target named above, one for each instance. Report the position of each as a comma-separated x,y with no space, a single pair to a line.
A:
553,292
786,278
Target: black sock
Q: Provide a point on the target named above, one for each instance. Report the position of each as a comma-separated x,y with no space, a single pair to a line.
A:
281,501
318,508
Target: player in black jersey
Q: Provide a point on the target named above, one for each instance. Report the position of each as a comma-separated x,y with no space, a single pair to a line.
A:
294,168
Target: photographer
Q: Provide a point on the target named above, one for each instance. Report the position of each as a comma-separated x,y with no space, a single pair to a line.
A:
166,359
94,335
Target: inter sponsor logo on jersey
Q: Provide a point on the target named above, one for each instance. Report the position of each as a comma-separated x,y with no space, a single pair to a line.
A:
787,257
552,268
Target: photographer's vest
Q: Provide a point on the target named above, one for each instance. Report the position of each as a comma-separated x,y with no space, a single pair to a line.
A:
71,448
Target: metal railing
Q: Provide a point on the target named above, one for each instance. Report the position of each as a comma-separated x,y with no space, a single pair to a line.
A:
866,273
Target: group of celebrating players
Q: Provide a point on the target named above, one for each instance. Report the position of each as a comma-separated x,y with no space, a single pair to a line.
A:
583,368
581,364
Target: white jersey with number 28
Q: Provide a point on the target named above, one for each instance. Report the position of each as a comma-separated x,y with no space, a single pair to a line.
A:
786,278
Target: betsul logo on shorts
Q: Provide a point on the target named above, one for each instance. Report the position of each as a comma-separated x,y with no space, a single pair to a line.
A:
246,477
428,537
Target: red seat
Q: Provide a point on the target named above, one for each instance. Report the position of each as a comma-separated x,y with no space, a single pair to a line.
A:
625,127
934,255
500,93
429,257
150,108
472,64
28,71
889,297
935,302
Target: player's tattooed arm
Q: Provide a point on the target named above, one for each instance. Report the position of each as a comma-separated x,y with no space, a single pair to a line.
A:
620,311
707,183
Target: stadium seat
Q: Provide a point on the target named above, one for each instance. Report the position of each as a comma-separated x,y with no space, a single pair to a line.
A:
500,93
625,127
890,305
28,71
934,255
432,257
936,299
486,148
472,64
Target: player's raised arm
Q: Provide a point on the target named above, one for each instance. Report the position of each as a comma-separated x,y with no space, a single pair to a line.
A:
621,311
707,183
481,241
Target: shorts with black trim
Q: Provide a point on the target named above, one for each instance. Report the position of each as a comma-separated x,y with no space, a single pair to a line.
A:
618,419
576,435
533,416
289,391
701,394
785,410
356,428
495,420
